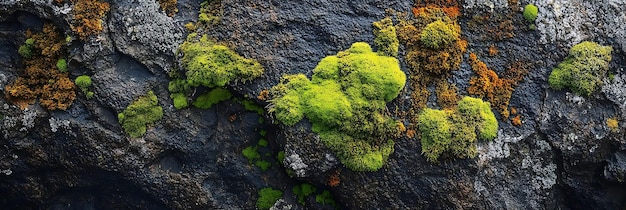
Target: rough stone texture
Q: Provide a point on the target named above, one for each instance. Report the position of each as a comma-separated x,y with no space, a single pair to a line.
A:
571,22
563,156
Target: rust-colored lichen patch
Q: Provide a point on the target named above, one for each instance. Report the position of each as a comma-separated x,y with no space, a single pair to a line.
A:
517,120
87,17
41,78
493,50
487,84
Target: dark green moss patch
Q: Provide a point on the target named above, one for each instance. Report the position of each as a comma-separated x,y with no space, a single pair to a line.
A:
267,198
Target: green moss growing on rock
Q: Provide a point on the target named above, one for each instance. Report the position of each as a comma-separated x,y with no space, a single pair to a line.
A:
439,34
455,132
212,65
583,69
267,198
211,98
26,49
345,101
62,65
303,190
530,12
139,114
386,39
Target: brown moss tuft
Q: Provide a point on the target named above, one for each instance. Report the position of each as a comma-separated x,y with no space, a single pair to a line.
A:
493,50
169,7
613,124
447,96
517,120
88,16
41,78
487,84
334,180
263,95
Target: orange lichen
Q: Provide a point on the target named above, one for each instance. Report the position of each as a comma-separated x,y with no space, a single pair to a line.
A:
41,78
410,133
87,17
169,7
487,84
513,110
613,124
334,179
263,95
517,120
493,50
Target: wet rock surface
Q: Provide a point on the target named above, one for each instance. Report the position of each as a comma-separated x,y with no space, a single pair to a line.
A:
563,156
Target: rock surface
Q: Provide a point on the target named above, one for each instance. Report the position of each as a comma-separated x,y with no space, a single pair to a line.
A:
563,156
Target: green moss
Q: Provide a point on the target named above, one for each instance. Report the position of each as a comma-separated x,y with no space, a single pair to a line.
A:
139,114
267,198
180,100
386,40
280,157
251,153
583,69
263,132
345,101
439,34
83,82
455,131
303,190
178,86
263,143
26,50
325,198
253,107
530,13
89,95
263,165
212,65
211,98
62,65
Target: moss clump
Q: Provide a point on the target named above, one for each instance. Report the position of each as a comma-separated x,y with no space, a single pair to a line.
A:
251,153
386,40
325,198
84,82
214,96
263,165
180,100
62,65
439,34
267,198
139,114
530,13
212,65
26,49
303,190
455,131
345,101
263,143
583,69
